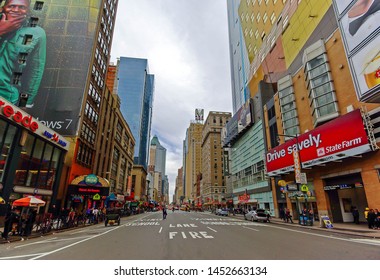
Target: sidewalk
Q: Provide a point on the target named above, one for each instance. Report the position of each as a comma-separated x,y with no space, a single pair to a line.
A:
360,230
15,238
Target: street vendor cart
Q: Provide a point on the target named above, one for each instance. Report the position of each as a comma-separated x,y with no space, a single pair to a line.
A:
112,217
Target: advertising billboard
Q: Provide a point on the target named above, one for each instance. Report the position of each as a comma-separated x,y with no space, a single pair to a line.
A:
360,29
242,119
199,114
337,139
45,54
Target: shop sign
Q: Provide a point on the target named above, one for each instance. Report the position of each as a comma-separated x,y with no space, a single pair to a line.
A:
88,190
55,137
326,222
291,187
244,198
96,197
91,179
342,186
340,138
304,188
18,116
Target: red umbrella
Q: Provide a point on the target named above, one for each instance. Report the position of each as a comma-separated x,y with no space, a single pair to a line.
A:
29,201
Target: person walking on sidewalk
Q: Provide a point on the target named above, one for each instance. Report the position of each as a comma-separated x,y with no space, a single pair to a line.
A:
366,211
164,213
7,222
355,214
288,216
377,219
282,214
371,219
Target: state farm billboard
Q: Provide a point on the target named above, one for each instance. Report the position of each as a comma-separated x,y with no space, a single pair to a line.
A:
340,138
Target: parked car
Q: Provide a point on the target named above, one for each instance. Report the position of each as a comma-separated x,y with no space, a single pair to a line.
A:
222,212
258,215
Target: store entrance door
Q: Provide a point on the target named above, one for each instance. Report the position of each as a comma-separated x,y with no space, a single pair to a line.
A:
335,206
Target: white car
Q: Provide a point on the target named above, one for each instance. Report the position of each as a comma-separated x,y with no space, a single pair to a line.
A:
258,215
221,212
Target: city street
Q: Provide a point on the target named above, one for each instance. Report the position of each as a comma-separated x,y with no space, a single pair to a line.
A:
192,236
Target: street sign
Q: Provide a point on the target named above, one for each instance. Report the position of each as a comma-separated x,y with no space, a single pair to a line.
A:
326,222
303,178
304,188
297,166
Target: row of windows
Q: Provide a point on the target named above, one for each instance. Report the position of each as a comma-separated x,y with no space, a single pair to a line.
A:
105,29
100,60
36,165
88,133
85,154
91,114
260,1
97,77
322,99
22,57
104,46
289,111
94,94
321,91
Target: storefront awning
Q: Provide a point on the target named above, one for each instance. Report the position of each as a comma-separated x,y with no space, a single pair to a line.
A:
90,180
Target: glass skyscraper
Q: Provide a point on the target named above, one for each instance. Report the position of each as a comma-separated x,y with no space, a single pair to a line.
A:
135,87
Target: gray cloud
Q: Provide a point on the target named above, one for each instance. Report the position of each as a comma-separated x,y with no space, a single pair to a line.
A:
186,44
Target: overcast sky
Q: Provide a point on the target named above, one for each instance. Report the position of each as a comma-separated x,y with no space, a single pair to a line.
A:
186,44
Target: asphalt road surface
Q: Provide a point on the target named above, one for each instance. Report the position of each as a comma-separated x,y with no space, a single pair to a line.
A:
191,236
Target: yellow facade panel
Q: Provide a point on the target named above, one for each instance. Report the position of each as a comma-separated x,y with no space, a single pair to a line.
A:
302,24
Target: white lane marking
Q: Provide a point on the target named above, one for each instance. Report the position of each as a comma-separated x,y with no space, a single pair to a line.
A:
160,230
49,241
375,242
212,229
78,231
326,236
48,253
73,244
251,228
37,242
22,256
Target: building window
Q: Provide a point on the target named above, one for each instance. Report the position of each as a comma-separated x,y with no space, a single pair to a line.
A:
288,106
263,35
27,39
273,18
8,134
37,164
33,21
38,5
22,58
17,78
321,91
265,18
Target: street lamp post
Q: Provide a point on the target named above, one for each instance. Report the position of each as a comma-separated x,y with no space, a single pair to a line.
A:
297,170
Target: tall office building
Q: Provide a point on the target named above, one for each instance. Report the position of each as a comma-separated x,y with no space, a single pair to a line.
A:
135,86
69,42
239,60
213,187
178,192
192,160
311,70
157,164
157,155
